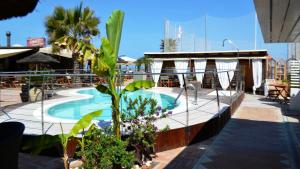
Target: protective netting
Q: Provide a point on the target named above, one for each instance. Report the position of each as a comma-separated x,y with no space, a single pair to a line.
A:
207,34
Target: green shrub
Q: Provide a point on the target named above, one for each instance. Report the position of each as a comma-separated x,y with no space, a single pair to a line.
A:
105,151
138,120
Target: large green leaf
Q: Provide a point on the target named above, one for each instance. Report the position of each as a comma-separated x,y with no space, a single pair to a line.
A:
104,64
114,29
103,89
84,122
109,56
136,85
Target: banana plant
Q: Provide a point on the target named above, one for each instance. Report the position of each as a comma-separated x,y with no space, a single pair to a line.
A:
81,124
43,142
105,64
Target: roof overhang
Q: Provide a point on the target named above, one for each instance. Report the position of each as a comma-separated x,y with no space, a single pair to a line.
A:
8,52
279,20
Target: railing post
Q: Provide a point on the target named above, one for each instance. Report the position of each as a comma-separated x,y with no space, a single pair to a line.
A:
0,92
217,91
229,86
187,130
218,102
42,103
186,99
91,79
29,83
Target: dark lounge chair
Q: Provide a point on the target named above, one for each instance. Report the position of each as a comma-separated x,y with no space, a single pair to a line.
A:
10,138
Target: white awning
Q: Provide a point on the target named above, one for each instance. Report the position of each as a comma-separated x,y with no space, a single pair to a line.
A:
4,53
212,58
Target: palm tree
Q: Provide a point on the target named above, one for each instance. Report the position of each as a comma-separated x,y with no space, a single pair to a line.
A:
72,29
144,61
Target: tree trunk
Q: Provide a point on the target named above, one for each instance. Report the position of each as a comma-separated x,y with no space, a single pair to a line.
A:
76,70
66,160
116,116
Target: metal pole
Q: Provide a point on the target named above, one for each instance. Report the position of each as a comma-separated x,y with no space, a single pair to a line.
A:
0,92
42,104
91,80
205,25
255,31
29,83
187,110
217,91
229,86
238,68
218,102
186,98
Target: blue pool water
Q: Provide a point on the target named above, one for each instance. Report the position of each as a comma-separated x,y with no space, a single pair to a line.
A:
74,110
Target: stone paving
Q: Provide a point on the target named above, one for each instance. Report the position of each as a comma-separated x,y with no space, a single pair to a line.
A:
10,96
255,137
260,135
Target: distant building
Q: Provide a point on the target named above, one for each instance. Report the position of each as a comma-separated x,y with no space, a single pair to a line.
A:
294,50
36,42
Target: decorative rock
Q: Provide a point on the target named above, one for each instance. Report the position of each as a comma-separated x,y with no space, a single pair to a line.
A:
35,94
75,164
148,163
136,167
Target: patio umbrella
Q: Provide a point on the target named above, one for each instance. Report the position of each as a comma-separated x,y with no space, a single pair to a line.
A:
15,8
38,58
121,61
127,60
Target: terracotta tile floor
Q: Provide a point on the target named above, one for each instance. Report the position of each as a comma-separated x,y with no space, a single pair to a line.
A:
183,157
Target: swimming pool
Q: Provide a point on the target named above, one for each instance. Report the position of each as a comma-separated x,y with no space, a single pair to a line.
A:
74,110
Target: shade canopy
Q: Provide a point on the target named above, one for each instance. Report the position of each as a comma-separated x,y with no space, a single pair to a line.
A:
126,60
15,8
38,58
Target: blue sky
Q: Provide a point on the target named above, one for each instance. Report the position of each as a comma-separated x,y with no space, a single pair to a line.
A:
144,20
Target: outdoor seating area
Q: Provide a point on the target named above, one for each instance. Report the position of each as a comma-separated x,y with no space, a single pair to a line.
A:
278,91
11,82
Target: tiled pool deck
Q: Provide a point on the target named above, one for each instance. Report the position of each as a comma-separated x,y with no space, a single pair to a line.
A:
30,114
